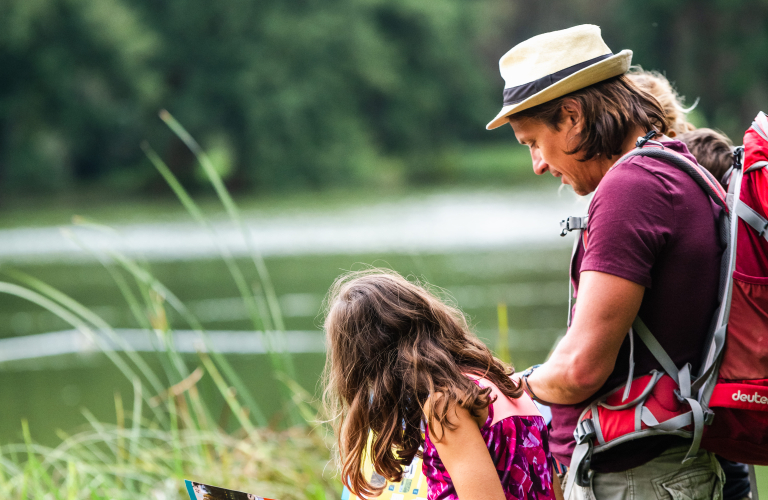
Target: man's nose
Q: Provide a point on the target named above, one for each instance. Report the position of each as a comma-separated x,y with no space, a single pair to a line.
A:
539,165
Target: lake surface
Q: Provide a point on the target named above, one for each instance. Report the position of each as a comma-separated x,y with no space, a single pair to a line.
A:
481,248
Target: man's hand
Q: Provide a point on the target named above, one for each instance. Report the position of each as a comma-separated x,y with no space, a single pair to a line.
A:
581,363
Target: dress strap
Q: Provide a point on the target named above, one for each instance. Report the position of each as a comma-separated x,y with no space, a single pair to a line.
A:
505,407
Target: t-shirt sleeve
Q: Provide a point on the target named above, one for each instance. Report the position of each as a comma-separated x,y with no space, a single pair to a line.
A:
630,221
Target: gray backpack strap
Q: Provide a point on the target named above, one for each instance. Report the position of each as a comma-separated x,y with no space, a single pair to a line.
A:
698,415
709,184
711,363
754,219
573,224
658,352
756,166
730,203
684,382
687,386
579,471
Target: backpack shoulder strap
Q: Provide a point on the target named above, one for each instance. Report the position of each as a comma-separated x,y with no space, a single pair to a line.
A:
656,349
701,175
729,203
686,383
756,166
754,219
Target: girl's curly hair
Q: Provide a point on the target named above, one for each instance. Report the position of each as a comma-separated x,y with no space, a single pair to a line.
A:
391,345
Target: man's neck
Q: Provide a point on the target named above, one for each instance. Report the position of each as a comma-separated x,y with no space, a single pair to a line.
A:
626,147
631,140
605,164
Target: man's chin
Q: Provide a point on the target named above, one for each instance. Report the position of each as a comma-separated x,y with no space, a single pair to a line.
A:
581,190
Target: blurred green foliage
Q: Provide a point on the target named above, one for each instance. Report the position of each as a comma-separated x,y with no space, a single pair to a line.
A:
715,50
291,94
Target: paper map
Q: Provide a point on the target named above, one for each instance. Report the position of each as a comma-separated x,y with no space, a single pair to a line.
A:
200,491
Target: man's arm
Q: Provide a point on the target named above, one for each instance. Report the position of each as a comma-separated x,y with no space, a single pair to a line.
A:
581,363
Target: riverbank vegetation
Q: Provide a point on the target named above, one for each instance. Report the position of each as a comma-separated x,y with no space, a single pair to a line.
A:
291,95
168,429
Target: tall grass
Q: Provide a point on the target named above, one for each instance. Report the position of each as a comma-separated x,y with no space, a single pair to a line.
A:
167,431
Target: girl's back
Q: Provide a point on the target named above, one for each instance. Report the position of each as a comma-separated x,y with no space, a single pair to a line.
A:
516,436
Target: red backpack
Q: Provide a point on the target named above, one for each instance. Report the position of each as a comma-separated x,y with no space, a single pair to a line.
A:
739,392
724,407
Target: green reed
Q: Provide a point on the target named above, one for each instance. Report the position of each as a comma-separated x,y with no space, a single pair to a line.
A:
170,432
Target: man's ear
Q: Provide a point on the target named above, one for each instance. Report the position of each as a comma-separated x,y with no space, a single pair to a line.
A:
572,116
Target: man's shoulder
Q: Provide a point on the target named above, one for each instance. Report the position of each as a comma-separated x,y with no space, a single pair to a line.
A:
634,181
635,170
639,177
657,166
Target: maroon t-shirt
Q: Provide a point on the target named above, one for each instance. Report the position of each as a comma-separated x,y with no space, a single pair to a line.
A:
650,223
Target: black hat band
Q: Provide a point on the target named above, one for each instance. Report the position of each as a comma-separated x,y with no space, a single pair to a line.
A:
522,92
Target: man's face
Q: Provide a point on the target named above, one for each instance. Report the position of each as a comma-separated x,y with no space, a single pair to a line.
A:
548,152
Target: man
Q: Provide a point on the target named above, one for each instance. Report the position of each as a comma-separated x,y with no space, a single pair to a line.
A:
650,249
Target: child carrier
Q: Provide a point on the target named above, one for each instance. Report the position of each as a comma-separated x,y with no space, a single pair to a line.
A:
724,407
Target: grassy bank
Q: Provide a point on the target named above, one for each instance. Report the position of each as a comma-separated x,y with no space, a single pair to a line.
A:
169,429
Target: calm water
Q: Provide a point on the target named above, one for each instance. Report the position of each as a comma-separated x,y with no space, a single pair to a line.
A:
50,391
483,248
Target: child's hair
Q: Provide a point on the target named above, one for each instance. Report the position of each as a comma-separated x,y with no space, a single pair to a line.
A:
713,150
659,87
391,346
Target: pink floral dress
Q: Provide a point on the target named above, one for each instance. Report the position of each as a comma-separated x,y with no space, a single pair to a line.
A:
518,446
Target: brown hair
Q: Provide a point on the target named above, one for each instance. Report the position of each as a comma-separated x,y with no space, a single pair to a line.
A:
659,87
713,150
610,110
391,346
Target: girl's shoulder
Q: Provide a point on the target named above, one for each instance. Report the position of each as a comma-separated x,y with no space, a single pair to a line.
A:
503,406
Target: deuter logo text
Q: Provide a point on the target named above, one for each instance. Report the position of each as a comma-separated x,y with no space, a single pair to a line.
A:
754,398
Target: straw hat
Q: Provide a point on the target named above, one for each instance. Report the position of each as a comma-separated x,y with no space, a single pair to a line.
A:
553,64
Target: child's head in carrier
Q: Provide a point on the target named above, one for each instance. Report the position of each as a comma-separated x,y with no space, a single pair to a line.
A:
712,149
659,87
391,345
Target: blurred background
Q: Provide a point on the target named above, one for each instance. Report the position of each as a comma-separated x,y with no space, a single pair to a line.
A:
349,132
298,95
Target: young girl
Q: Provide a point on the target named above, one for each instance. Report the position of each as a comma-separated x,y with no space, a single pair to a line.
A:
404,366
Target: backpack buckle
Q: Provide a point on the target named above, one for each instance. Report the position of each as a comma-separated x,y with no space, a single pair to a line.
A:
572,224
765,228
641,141
583,475
709,417
738,154
585,431
679,396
